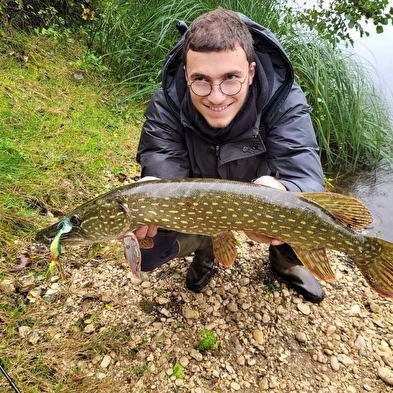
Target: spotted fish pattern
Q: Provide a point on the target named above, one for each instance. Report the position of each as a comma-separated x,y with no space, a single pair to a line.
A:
309,222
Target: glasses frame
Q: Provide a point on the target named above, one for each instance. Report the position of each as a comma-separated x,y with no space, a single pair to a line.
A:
219,87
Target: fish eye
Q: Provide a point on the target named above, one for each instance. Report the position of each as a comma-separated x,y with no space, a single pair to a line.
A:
76,219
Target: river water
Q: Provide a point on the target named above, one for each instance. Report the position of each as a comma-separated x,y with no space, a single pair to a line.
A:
375,189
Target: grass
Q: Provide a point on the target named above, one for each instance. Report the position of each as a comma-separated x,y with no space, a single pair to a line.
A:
61,140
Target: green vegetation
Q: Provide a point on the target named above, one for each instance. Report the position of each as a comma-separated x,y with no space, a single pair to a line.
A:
208,341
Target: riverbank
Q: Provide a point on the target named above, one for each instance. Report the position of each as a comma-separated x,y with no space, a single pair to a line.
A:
102,330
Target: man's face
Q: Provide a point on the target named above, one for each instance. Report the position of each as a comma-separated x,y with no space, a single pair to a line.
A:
214,67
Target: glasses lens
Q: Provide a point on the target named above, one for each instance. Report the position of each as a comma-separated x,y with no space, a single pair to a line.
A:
201,88
230,87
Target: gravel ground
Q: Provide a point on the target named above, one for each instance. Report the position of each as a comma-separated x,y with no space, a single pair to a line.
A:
267,337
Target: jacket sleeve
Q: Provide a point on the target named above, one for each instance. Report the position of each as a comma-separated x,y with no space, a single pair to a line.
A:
162,151
292,149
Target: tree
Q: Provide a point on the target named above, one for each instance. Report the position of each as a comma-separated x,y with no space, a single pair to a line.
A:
333,19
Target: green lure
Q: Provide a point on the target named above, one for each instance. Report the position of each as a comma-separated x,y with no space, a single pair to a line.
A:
63,226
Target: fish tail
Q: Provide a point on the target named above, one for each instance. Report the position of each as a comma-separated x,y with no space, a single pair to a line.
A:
376,265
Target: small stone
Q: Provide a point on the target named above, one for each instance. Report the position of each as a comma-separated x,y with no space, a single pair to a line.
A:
232,307
196,355
304,308
334,363
105,361
258,336
354,310
25,284
244,281
386,375
235,386
7,287
360,342
189,313
24,331
301,337
375,308
266,318
90,328
351,389
184,361
344,359
264,385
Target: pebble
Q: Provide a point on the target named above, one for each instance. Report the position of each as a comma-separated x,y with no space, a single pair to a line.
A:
301,337
334,363
190,313
232,307
7,287
258,336
386,375
304,308
105,361
235,386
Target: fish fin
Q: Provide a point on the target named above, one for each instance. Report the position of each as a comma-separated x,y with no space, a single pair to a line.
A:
377,269
146,242
225,248
315,260
346,209
132,253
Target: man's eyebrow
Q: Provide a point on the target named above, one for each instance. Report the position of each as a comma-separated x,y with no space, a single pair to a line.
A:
195,75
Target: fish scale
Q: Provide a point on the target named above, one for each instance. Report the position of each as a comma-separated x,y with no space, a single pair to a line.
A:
309,222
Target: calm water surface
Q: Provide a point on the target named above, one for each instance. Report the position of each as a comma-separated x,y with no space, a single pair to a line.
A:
375,189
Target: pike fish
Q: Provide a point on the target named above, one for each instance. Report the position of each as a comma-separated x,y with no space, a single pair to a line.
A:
309,222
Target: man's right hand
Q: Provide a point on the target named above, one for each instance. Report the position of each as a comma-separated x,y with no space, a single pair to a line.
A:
146,230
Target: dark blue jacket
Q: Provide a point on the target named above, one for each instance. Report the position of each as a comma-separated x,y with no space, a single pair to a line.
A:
282,142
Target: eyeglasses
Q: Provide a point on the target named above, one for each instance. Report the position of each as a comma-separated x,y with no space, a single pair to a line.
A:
229,87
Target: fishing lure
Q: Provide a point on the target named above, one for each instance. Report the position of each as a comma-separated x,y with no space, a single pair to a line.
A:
63,226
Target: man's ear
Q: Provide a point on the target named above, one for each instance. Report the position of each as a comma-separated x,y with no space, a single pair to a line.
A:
251,71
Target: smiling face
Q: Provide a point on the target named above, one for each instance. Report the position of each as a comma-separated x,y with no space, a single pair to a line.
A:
214,67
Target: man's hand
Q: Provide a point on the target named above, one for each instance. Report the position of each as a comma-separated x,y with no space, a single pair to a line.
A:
267,181
146,230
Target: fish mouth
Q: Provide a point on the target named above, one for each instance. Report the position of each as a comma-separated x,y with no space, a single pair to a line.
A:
47,235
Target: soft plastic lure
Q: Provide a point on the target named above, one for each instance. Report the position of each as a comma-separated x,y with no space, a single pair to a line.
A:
63,226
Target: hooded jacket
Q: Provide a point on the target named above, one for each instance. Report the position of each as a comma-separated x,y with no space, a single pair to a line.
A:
281,143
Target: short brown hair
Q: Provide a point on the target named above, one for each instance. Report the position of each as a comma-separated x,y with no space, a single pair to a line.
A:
216,31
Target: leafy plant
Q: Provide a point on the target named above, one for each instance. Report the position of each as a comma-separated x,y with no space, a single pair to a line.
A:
177,371
208,341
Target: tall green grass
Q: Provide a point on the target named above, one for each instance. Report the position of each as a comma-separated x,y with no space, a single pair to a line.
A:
351,117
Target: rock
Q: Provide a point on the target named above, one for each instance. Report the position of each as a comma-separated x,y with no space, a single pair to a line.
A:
334,363
235,386
196,355
344,359
232,307
105,361
25,284
386,375
301,337
258,336
190,313
304,308
7,287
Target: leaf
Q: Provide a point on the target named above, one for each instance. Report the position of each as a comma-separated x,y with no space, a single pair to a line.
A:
24,261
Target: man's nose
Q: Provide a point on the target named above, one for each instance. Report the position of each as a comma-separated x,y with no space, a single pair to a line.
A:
216,95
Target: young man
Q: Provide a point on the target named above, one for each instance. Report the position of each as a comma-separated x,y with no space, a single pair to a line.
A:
229,108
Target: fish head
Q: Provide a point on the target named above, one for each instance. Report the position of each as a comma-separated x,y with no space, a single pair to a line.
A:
96,221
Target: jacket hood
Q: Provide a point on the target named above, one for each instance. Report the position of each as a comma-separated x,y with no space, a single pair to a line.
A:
269,55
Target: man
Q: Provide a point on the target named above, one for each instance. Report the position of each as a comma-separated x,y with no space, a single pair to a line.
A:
229,108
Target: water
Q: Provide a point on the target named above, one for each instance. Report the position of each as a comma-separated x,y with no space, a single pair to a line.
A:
375,188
